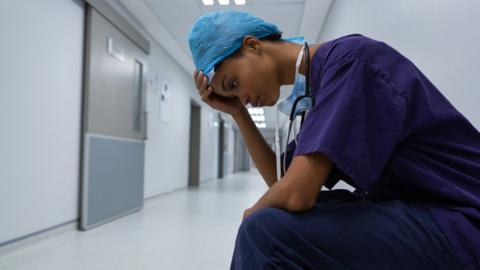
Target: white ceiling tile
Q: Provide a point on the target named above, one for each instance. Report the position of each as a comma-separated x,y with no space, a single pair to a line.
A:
186,49
183,41
173,2
273,2
179,16
207,9
177,19
286,16
248,2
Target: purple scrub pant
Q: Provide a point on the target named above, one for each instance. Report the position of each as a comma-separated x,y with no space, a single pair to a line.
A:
344,230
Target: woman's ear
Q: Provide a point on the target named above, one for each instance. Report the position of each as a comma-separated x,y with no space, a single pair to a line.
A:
251,43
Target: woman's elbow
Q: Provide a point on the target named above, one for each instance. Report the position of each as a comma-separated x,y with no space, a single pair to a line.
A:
299,202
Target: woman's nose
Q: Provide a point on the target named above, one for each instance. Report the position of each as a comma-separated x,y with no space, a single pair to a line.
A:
245,99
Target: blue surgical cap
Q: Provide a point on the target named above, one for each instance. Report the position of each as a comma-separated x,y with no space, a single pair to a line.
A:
217,35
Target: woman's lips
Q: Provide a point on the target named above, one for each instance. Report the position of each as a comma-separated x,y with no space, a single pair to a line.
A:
254,102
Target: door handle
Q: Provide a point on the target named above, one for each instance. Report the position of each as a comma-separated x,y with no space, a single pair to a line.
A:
145,117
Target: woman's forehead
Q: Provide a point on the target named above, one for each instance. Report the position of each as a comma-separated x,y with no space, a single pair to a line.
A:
217,82
221,70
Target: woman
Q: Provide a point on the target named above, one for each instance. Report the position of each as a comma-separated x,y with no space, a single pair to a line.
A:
377,123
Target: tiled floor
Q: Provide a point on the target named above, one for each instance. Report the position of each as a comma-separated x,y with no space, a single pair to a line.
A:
186,229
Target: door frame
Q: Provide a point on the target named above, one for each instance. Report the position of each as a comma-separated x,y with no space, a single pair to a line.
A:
194,144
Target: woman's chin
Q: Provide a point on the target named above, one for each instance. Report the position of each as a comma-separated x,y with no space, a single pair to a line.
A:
271,102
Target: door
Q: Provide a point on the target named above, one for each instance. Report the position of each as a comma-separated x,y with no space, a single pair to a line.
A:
227,148
194,149
114,124
241,157
220,169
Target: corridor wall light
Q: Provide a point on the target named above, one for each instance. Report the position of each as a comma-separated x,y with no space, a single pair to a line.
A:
240,2
224,2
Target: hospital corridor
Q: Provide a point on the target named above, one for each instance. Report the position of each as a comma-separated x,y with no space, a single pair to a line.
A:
185,229
239,134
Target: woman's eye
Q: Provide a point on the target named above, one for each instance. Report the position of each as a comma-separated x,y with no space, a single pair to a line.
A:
233,85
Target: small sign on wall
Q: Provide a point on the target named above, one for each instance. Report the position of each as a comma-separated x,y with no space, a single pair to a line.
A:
159,98
164,97
115,49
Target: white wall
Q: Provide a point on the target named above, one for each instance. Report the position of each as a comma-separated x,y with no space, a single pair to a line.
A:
209,146
231,147
40,91
167,149
40,112
442,37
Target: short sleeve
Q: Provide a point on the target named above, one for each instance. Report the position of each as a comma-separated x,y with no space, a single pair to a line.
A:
356,122
334,176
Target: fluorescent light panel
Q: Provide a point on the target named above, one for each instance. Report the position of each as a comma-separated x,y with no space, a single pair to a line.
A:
258,118
224,2
261,125
254,110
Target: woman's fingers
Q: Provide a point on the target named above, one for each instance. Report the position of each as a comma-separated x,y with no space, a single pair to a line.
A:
209,90
204,84
196,79
199,80
204,89
206,94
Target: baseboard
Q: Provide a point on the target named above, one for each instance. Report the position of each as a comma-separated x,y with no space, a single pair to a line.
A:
13,245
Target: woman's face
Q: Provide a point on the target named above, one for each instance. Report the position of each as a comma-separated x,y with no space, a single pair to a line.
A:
250,76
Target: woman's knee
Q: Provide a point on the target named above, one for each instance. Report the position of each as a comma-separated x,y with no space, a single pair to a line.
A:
260,222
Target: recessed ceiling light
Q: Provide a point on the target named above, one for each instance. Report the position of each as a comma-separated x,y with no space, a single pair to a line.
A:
240,2
208,2
224,2
261,125
258,118
256,111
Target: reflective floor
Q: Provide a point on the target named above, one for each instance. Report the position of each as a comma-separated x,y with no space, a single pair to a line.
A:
186,229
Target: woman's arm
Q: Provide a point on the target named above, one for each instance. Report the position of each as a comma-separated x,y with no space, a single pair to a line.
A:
298,190
259,150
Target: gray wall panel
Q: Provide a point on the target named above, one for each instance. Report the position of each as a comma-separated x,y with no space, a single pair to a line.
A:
115,178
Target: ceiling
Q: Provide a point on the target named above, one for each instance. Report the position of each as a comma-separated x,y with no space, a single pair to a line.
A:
286,14
170,21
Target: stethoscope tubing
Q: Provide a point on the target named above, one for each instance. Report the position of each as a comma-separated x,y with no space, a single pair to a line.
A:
293,113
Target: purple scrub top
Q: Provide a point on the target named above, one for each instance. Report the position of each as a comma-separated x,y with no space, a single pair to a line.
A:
392,134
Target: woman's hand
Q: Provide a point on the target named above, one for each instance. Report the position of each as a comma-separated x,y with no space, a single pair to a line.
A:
231,106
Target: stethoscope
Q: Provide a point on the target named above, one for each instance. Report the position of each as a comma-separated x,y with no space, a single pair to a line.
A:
302,111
